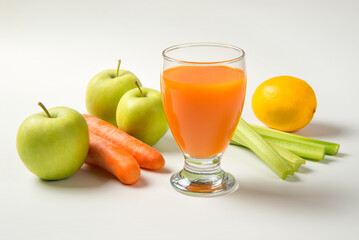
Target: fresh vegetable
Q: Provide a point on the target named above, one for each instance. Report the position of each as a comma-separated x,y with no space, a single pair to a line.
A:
286,139
146,156
278,149
309,151
105,154
294,161
246,136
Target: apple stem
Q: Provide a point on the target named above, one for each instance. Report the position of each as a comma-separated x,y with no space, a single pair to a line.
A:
44,108
139,88
118,67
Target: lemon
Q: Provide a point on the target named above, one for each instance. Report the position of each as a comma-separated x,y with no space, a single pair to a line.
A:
284,103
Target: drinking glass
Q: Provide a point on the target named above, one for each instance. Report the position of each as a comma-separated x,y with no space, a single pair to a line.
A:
203,88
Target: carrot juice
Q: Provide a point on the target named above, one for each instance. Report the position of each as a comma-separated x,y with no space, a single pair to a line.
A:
203,105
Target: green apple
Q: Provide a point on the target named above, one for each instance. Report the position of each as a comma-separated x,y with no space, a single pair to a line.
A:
105,90
53,144
140,113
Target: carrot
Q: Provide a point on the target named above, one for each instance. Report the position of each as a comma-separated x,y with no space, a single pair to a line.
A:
146,156
105,154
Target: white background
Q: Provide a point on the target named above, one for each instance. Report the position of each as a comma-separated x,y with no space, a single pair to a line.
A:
49,50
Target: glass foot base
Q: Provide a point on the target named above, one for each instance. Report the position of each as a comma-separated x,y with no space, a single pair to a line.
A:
203,185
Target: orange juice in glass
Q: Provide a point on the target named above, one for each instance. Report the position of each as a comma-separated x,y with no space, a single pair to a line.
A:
203,88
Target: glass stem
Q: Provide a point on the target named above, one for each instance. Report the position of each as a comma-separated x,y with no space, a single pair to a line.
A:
203,165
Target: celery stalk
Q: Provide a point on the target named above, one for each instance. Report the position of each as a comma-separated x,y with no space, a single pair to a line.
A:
309,151
247,137
289,138
293,160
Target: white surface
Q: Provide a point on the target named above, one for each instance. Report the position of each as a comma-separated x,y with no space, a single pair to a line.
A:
50,49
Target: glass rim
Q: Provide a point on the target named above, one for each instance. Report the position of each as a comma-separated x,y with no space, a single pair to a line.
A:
193,44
